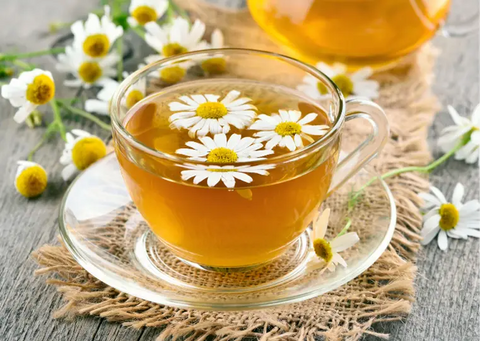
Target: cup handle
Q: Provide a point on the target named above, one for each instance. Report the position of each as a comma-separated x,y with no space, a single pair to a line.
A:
370,147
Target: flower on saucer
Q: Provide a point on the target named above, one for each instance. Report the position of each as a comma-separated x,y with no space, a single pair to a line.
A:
327,252
96,36
227,174
28,91
145,11
449,219
351,84
221,150
287,129
171,74
81,150
31,179
87,72
176,38
217,63
465,130
203,114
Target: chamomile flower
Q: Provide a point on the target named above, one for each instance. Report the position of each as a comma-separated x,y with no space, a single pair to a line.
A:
81,150
31,179
227,174
449,219
327,252
464,128
175,39
351,84
203,114
87,72
28,91
96,36
171,74
145,11
221,150
286,129
217,63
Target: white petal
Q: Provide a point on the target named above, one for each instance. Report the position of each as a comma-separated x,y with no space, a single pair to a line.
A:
233,141
438,194
459,120
344,242
315,130
208,142
430,200
308,118
22,113
232,95
68,172
214,178
96,106
427,238
442,240
242,176
220,140
289,143
458,194
339,260
321,224
469,207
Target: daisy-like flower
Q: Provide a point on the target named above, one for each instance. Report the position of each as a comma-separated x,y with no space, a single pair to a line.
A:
28,91
215,64
145,11
449,219
96,36
221,150
327,252
351,84
87,72
170,74
177,38
464,130
81,150
31,179
287,129
203,114
227,174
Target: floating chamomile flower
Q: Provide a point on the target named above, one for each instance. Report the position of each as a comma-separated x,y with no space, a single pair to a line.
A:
287,129
176,38
227,174
464,128
81,150
170,74
217,63
221,150
96,36
28,91
351,84
31,179
203,114
87,72
145,11
449,219
327,252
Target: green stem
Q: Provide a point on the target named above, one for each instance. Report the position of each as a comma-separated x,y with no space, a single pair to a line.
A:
23,65
120,62
345,228
50,129
14,56
88,116
57,119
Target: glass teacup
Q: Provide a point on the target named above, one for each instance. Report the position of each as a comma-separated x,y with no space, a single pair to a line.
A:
244,213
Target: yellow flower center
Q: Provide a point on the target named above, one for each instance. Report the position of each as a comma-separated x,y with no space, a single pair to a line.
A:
449,216
96,45
288,128
144,14
173,49
344,83
90,72
222,155
172,75
87,151
133,98
322,88
211,110
41,90
32,181
215,65
323,249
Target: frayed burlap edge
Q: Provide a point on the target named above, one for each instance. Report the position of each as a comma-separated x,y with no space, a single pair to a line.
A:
383,293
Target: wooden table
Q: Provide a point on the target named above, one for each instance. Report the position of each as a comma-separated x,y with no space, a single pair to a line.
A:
448,288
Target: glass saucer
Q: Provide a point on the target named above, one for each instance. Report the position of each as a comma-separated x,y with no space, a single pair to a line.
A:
109,238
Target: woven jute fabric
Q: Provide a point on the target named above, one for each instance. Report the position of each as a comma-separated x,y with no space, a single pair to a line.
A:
384,292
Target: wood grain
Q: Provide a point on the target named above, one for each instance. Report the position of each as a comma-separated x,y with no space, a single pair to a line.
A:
448,287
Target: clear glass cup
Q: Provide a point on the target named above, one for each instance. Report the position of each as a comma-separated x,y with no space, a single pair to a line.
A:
227,229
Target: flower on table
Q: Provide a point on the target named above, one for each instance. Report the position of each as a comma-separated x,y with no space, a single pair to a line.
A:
170,74
96,36
355,84
87,71
465,131
28,91
31,179
145,11
327,252
81,150
203,114
227,174
286,129
449,219
223,150
215,64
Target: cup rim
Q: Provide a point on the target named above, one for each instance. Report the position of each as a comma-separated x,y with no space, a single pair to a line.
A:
119,128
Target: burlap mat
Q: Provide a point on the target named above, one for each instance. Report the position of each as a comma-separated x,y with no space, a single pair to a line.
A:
384,292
